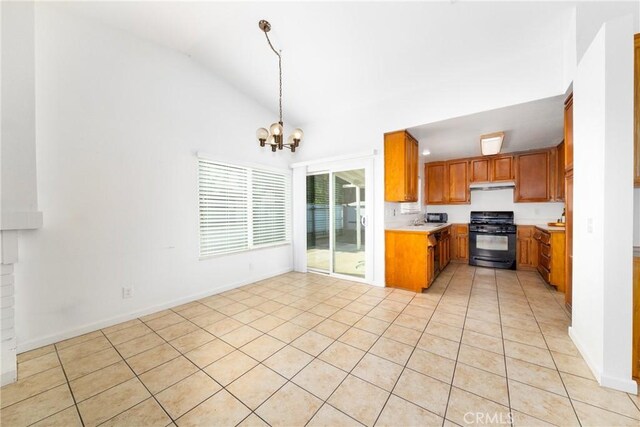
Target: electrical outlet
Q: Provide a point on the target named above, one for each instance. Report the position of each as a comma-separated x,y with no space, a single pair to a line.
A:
127,292
250,266
590,225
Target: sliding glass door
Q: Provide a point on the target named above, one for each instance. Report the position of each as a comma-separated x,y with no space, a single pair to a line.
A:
337,222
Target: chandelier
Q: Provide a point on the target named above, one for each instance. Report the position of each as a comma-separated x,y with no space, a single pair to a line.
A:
275,135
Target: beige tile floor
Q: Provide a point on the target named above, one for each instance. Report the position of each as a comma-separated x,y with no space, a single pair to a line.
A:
480,346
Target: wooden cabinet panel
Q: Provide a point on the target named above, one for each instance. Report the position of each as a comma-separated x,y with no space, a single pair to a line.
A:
551,256
479,170
636,111
460,242
400,167
502,168
568,189
559,172
532,177
568,133
526,248
458,179
435,183
410,258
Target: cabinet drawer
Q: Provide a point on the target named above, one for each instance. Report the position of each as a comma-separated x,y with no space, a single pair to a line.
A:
545,250
544,273
544,261
545,238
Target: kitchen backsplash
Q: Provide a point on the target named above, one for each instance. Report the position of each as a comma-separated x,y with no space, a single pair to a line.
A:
495,200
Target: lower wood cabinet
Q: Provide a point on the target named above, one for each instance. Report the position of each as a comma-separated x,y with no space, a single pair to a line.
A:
460,242
526,248
413,258
551,253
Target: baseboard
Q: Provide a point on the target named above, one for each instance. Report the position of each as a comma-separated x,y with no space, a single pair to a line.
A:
8,378
628,385
90,327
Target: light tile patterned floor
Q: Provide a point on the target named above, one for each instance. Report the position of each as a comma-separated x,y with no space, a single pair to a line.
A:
480,346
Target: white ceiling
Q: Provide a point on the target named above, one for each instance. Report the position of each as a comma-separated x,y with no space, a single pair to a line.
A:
339,56
526,126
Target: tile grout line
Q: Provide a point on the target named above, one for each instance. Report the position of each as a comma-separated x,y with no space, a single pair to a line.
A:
504,349
68,383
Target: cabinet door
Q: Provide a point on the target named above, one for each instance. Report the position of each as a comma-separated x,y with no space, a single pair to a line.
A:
479,170
458,177
411,169
559,172
435,189
532,177
459,242
526,248
568,133
636,110
502,168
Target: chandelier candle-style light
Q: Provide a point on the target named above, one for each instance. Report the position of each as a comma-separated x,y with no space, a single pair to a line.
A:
275,135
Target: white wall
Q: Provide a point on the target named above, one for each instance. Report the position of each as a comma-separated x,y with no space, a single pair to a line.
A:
603,210
118,122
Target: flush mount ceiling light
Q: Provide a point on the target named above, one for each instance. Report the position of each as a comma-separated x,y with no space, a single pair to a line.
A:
426,152
275,135
491,143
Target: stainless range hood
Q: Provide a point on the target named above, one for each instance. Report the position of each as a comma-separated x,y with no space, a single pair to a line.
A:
489,186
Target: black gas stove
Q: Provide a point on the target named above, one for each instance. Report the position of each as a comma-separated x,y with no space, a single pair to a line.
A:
492,239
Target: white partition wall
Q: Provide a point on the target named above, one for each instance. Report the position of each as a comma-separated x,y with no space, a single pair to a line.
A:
603,205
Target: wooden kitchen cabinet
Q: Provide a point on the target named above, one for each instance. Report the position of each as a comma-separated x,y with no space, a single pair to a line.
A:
568,133
458,180
636,111
532,177
479,170
460,242
559,173
491,169
410,257
502,168
551,255
526,248
436,186
447,183
400,167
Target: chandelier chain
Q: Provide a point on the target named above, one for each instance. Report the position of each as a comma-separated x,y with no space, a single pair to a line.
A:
279,53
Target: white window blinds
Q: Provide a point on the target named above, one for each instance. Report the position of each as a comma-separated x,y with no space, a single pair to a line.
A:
241,208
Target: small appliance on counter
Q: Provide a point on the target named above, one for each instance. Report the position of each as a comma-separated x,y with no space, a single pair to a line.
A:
436,217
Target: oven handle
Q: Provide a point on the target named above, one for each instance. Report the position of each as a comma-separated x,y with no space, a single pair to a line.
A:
492,260
484,233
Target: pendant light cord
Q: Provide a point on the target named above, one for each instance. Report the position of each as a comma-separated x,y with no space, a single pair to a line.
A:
279,69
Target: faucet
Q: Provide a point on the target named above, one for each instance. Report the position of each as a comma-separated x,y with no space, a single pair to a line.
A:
417,221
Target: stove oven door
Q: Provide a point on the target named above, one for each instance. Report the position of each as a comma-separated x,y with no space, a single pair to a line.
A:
487,249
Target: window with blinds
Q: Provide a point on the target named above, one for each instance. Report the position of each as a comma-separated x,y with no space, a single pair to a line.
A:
241,208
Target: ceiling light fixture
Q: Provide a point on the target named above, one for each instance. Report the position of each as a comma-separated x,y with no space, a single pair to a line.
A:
275,135
426,152
491,143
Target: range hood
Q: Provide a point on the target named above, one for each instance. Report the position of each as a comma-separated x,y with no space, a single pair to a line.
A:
488,186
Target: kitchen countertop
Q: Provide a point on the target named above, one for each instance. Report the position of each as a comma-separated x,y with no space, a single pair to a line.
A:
425,228
549,228
636,251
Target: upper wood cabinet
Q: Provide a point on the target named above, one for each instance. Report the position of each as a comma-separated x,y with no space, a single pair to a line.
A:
400,167
479,170
568,133
636,111
559,172
532,177
502,168
435,185
458,179
491,169
447,182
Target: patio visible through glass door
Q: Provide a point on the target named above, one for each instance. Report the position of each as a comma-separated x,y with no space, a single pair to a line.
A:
336,222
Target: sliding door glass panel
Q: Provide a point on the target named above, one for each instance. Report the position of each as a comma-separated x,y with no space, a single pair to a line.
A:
349,220
318,223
